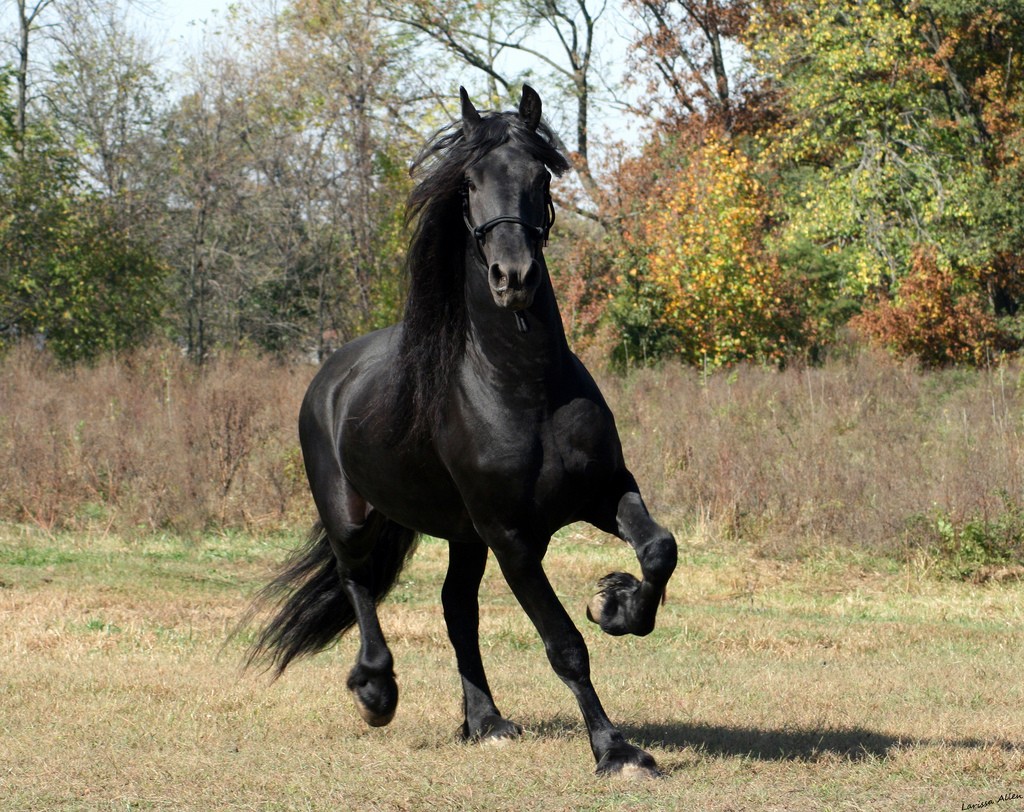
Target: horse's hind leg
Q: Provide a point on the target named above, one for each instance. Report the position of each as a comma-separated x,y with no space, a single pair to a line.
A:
370,550
459,597
625,605
372,678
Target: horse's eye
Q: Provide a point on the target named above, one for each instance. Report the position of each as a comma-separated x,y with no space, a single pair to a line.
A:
470,186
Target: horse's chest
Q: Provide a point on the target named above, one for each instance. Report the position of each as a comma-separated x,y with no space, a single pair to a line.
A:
541,461
578,441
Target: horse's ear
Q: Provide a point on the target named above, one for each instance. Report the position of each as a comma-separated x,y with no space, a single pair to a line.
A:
529,107
470,116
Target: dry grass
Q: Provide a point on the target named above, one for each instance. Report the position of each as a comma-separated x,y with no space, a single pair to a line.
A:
865,453
837,682
150,442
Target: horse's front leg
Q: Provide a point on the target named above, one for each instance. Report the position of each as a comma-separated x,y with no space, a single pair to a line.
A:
459,596
625,605
567,652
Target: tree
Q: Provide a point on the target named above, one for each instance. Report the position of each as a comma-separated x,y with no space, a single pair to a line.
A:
69,274
287,154
900,126
106,96
692,57
30,18
696,282
480,35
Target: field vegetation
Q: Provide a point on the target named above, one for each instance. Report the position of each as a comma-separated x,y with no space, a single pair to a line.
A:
844,630
840,682
864,453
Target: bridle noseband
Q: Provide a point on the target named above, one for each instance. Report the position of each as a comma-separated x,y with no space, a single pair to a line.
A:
539,233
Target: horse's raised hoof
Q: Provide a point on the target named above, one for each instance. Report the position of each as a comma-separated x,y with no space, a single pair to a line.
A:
375,695
623,760
493,730
609,608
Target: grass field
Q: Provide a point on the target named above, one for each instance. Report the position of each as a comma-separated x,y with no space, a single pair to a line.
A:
836,682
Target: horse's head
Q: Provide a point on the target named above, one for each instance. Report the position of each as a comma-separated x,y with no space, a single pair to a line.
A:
507,205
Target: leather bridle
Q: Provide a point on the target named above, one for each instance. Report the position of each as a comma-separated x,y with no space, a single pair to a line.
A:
539,233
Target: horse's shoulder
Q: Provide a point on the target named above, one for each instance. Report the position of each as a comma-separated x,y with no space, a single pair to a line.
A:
367,347
349,375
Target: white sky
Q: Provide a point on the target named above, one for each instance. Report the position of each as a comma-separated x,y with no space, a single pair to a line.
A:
183,21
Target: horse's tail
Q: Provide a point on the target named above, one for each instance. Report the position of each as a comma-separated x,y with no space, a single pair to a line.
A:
311,607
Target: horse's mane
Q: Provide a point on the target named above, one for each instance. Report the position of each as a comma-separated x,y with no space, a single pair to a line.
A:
433,337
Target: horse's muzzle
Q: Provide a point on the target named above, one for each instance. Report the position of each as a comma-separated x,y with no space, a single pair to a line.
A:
513,289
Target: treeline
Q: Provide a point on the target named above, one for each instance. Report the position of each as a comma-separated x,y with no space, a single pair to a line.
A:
807,172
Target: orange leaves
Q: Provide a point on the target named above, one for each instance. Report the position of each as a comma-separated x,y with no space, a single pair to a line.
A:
931,318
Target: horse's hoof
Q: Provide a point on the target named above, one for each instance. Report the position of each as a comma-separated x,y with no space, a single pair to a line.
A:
634,772
609,608
496,742
376,696
631,763
494,731
596,607
370,716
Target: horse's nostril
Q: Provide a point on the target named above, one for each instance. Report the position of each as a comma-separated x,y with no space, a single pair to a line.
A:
504,279
499,279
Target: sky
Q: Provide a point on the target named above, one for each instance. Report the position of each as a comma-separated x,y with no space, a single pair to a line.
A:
181,18
183,21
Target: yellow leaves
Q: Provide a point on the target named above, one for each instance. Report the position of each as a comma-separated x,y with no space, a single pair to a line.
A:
699,268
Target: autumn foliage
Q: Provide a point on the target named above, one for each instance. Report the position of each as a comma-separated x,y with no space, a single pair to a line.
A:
696,282
932,318
792,160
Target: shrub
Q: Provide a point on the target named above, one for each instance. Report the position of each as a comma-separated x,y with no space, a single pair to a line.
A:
784,462
696,284
932,318
963,548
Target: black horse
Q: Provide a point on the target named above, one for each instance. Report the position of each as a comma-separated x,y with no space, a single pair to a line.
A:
471,421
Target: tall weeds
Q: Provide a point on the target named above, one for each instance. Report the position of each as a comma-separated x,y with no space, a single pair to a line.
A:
865,453
150,441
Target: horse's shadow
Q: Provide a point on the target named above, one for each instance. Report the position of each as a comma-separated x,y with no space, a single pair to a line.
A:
770,744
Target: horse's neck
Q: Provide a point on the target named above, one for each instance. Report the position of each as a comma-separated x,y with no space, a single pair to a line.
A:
500,351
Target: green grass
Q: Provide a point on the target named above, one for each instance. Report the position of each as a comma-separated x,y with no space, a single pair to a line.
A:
837,682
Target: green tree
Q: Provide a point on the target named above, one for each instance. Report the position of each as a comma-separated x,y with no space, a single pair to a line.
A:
900,130
68,273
